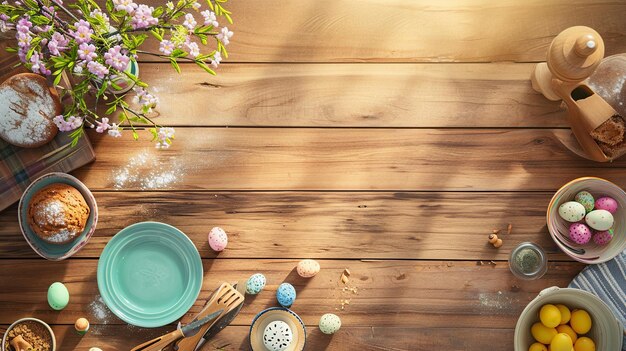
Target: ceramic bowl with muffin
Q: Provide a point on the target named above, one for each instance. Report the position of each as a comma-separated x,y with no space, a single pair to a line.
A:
57,215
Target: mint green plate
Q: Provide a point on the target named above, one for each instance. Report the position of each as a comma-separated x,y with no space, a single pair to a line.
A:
150,274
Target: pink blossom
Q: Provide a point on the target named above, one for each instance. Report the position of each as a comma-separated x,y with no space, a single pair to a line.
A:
193,49
166,47
190,22
116,59
37,66
225,36
115,131
145,99
125,5
142,17
23,25
102,125
23,40
87,52
196,6
98,14
83,32
57,44
70,124
210,19
217,59
97,69
163,137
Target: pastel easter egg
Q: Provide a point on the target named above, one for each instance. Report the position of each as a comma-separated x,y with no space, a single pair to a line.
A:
218,239
277,336
255,284
579,233
58,296
330,323
604,237
95,349
286,294
308,268
586,199
599,220
572,211
607,203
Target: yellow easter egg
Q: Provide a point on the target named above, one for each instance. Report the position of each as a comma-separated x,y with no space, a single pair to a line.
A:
550,316
580,321
537,347
567,330
561,342
542,333
584,344
566,314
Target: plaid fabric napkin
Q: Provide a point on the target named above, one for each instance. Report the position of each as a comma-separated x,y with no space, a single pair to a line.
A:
19,166
608,282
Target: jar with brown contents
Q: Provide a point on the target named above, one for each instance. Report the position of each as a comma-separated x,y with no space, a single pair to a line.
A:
34,333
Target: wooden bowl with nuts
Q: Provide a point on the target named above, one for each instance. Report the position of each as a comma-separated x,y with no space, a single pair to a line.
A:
29,334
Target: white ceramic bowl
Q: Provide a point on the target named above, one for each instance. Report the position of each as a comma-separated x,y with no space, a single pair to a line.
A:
606,330
589,253
5,342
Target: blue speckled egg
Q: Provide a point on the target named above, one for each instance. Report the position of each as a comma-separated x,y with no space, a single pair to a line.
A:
586,199
286,294
255,284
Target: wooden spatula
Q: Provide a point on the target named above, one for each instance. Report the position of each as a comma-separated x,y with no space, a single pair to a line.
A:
225,298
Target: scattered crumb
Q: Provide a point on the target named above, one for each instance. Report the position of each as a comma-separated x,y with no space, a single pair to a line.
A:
496,231
509,229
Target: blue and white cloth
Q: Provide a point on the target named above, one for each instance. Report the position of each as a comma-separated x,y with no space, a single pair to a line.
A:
608,282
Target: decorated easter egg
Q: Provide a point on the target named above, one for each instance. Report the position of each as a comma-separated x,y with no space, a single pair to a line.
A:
95,349
255,284
58,296
586,199
286,294
603,237
308,268
572,211
277,336
607,203
330,323
218,239
599,219
579,233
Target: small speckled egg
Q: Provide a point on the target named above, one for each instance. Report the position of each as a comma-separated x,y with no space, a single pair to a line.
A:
586,199
255,284
308,268
604,237
572,211
607,203
277,336
330,323
95,349
579,233
599,220
58,296
286,294
218,239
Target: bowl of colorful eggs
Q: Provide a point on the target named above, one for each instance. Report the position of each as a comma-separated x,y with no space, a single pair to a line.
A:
565,319
587,219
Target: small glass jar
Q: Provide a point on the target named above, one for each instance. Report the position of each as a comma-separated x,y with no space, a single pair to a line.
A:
528,261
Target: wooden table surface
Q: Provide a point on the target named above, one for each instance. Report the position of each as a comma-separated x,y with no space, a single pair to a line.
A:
386,137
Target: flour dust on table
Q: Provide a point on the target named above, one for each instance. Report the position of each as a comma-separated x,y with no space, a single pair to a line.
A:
149,170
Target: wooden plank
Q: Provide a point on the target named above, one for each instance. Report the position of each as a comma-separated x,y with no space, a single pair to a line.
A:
352,95
344,159
421,294
441,226
412,31
117,337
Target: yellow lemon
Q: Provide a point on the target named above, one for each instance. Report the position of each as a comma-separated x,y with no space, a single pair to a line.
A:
542,333
550,316
584,344
561,342
567,330
565,313
537,347
580,321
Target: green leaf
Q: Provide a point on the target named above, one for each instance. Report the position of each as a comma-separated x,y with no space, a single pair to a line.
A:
157,12
109,6
175,65
135,135
57,79
156,34
11,50
205,67
111,109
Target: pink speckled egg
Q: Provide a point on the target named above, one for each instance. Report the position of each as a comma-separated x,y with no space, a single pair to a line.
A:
308,268
218,239
603,238
579,233
607,203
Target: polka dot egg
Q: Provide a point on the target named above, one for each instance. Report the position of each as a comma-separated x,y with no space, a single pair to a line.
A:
218,239
277,336
599,220
603,238
255,284
572,211
586,199
607,203
286,294
579,233
308,268
330,323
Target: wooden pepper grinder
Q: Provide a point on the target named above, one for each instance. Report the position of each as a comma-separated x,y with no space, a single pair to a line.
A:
572,57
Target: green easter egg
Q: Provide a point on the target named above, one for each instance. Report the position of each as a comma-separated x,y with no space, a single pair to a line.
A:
58,296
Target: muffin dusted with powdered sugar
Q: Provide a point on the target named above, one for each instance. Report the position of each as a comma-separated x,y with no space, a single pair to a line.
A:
58,213
27,110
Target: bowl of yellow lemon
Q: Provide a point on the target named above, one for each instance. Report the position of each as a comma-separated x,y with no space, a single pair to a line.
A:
565,319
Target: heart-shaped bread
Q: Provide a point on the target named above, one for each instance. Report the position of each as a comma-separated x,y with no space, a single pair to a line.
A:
27,109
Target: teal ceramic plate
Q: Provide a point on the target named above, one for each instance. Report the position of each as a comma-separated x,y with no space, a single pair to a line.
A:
150,274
